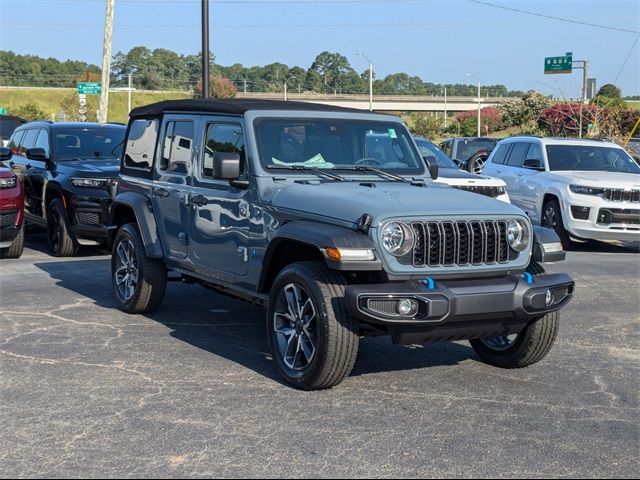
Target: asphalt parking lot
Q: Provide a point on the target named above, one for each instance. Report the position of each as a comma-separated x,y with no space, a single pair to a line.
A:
190,390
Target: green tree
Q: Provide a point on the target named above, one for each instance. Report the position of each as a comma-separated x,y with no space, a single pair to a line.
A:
29,111
609,90
525,110
425,125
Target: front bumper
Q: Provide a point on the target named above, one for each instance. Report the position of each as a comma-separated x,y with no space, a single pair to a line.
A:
460,309
90,217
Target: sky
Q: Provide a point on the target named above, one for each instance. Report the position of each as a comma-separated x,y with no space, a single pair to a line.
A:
439,40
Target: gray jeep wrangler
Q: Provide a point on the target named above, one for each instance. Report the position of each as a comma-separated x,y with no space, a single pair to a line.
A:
299,208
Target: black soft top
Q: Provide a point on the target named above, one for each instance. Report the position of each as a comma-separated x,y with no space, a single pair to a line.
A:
231,106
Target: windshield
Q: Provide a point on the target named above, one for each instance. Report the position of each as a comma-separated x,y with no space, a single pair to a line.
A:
590,158
98,144
337,143
430,151
468,148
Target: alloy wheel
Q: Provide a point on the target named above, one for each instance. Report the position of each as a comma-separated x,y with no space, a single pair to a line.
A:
500,343
295,328
126,269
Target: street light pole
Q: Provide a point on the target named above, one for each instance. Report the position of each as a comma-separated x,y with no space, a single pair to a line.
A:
370,80
476,78
205,48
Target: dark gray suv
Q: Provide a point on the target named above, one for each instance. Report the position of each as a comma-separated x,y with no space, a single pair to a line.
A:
285,205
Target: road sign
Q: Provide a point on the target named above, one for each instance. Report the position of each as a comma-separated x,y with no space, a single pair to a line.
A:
3,111
553,65
89,88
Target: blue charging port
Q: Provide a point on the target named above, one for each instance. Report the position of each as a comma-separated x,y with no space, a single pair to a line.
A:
528,278
429,283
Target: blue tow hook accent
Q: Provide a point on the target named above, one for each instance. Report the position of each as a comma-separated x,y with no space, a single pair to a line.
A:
429,283
528,278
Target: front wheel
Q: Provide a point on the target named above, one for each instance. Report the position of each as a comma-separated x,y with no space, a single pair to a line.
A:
522,349
313,339
61,240
139,282
476,163
17,246
552,218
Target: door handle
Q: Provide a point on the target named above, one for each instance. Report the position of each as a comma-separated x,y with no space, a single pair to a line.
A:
160,192
12,163
199,200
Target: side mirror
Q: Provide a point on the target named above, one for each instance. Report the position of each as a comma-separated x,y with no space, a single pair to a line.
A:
226,165
37,154
533,164
5,154
432,165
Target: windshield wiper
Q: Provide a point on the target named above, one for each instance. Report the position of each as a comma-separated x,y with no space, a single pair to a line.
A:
305,168
380,173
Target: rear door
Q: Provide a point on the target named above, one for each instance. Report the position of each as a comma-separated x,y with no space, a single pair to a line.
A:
527,183
511,171
171,188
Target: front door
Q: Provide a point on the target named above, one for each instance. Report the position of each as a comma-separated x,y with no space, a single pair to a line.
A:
220,213
173,183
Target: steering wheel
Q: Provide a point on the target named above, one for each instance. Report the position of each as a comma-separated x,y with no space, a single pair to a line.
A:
368,161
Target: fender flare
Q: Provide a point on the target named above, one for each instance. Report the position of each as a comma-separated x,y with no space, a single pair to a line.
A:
145,220
547,246
320,236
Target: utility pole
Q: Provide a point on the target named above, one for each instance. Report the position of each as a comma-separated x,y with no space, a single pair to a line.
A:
106,62
205,48
370,80
445,106
129,90
585,74
285,91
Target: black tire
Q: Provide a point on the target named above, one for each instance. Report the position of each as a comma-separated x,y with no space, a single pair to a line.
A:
552,218
61,240
476,162
334,331
530,346
17,246
147,290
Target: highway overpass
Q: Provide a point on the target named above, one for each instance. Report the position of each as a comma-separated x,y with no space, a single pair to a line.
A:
392,103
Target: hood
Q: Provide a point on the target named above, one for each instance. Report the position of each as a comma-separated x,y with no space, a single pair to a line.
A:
348,201
106,168
453,176
601,179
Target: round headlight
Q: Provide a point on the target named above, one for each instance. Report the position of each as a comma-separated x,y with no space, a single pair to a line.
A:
518,235
397,238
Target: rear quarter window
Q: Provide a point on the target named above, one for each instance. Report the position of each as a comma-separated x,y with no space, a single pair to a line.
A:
140,145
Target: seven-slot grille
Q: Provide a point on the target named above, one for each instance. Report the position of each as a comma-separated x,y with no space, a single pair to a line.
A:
448,243
8,219
621,195
481,189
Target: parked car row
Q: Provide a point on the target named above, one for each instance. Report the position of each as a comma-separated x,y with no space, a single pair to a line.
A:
327,217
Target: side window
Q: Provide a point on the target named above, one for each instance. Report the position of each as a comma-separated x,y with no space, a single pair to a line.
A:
222,137
518,153
534,153
141,144
177,147
446,148
501,153
29,140
14,143
43,141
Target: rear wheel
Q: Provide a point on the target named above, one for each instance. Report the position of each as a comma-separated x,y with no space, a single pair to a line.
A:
61,240
476,162
314,341
139,282
552,218
17,246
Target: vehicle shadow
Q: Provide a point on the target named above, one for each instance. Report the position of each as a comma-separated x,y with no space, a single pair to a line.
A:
595,246
37,240
235,330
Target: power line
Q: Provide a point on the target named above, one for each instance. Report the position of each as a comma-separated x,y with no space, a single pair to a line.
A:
551,17
227,25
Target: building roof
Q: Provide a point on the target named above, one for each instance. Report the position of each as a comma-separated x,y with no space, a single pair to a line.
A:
231,106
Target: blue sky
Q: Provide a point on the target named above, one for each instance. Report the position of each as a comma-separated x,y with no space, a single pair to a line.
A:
436,39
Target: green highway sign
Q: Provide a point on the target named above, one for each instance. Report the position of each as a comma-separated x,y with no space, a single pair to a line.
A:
3,111
554,65
89,88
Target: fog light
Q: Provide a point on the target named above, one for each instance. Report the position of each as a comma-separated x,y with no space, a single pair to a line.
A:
548,299
407,307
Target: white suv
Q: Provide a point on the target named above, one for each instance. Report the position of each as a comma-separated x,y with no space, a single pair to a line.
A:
588,189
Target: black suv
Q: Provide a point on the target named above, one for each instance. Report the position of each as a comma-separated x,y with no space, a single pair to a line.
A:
287,205
69,171
469,153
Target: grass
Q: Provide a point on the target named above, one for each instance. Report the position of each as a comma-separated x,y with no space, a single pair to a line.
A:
51,101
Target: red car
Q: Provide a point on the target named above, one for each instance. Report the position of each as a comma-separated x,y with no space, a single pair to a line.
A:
11,211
